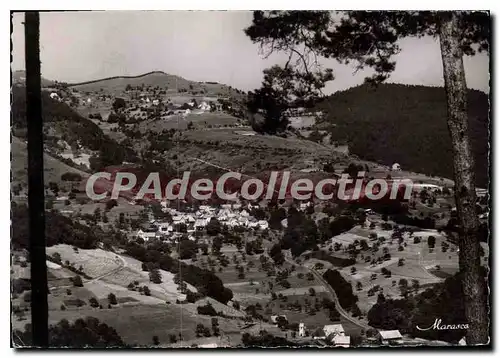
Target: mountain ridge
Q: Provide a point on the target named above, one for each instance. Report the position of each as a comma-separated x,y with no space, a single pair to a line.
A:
73,84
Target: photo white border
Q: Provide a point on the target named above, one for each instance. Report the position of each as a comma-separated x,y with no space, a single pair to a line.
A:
199,5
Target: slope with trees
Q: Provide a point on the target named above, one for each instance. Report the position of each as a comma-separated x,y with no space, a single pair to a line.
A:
62,122
395,123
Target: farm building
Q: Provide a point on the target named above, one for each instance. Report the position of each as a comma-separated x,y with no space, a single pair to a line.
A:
146,235
396,167
204,106
341,341
390,337
335,329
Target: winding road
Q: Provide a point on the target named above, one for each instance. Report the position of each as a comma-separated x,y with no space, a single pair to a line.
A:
342,312
332,292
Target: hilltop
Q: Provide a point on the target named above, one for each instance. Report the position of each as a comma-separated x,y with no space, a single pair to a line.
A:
403,124
160,79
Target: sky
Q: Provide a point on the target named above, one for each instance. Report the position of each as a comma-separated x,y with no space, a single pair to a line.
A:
199,46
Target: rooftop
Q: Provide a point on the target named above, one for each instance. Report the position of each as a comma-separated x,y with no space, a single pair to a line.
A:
393,334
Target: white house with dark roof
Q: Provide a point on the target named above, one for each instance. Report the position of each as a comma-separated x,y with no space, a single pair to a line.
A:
390,337
146,235
200,224
335,329
244,213
263,224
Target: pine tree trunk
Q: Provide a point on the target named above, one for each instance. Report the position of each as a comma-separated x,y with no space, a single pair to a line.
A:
476,310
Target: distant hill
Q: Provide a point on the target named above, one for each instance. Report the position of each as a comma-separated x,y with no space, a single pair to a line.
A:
19,77
407,125
154,79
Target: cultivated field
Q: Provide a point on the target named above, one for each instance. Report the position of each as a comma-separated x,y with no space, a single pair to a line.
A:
199,121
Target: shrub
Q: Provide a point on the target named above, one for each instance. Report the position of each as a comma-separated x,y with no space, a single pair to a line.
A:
172,338
68,176
93,302
208,310
343,288
112,299
156,340
77,281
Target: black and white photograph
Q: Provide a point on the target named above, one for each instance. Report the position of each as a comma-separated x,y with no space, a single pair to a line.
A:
314,179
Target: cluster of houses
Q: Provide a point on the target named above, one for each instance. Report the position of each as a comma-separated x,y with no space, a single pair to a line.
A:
335,335
191,107
230,215
69,98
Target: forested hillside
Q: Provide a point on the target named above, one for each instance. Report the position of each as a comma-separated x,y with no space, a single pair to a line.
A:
61,122
407,125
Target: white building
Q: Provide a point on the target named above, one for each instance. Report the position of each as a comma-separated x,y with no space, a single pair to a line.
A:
208,345
341,341
263,224
396,167
178,219
418,187
388,337
302,329
253,225
303,206
233,223
146,235
244,213
335,329
200,224
165,228
204,106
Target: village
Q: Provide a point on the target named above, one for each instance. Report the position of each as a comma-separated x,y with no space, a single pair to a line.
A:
231,215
